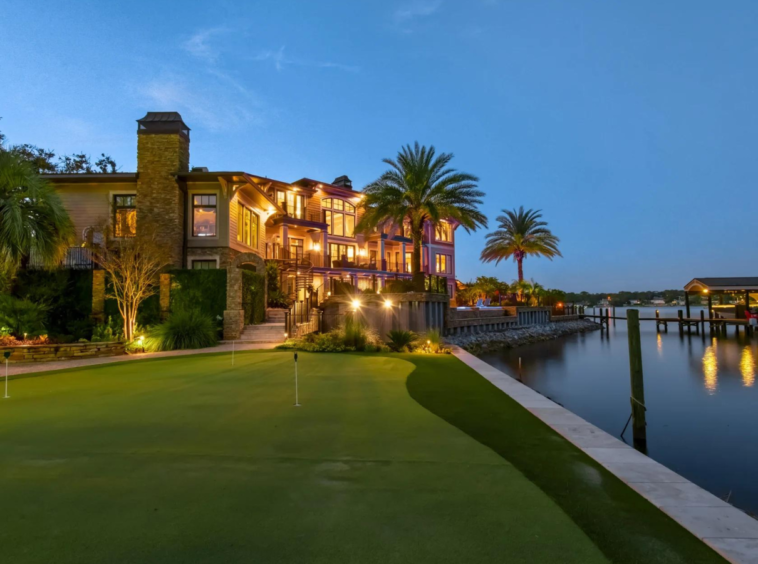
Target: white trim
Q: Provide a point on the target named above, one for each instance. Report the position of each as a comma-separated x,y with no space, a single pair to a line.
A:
190,215
111,193
191,258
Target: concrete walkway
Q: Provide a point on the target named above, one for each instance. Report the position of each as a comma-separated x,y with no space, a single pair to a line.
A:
33,367
726,529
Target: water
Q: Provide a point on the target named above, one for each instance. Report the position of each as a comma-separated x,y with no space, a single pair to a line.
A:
700,392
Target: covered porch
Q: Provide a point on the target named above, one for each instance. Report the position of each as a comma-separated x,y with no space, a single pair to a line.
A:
728,298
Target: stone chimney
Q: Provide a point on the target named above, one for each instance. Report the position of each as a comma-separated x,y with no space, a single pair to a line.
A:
343,181
162,152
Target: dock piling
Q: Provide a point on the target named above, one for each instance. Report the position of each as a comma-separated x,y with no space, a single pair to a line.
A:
637,397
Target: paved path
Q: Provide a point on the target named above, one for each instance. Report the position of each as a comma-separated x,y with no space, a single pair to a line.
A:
32,367
723,527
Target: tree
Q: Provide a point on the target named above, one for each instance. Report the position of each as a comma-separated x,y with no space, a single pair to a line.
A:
42,161
520,234
33,221
132,266
419,188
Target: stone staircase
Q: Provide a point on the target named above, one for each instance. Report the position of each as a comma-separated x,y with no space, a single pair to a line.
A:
270,332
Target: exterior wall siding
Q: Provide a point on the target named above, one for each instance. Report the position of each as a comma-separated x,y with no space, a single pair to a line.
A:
89,205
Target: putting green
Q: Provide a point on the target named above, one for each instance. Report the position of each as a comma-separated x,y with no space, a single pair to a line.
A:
190,459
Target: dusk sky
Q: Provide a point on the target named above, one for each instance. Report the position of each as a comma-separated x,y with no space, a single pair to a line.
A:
632,125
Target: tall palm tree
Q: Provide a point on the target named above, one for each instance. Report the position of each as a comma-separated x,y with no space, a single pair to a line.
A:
419,187
33,221
520,234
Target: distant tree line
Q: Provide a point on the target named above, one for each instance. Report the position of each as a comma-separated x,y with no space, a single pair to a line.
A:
43,161
625,297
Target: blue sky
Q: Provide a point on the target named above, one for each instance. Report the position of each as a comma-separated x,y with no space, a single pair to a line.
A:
632,125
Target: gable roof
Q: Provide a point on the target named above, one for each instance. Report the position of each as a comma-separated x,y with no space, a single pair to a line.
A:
729,284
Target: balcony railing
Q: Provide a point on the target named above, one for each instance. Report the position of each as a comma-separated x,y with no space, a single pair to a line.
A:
76,258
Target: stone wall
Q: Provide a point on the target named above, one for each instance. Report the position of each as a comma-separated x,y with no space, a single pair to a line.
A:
225,255
98,295
46,353
476,342
160,201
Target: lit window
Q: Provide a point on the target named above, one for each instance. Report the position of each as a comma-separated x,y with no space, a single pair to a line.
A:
444,232
295,205
443,263
240,221
338,224
124,215
203,264
339,217
246,228
204,215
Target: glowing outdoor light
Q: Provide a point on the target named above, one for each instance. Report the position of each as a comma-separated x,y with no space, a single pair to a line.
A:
356,304
285,335
705,291
387,304
316,247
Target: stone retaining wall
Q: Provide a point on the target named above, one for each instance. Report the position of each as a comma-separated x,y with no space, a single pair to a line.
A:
45,353
517,336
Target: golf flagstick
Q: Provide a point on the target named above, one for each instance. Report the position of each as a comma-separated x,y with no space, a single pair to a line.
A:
297,403
7,355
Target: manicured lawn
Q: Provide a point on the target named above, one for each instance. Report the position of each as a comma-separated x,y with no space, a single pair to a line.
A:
390,459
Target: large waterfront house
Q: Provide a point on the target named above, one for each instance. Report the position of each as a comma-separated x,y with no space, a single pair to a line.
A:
209,218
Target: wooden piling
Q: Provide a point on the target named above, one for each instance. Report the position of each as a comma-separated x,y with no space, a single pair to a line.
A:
681,322
635,373
702,321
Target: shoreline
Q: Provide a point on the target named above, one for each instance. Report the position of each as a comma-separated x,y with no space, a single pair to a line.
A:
511,338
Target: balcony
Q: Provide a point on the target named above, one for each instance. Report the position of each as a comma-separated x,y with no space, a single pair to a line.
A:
76,258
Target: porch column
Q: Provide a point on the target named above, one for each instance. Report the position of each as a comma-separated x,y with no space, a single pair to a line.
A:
402,255
285,238
325,248
382,258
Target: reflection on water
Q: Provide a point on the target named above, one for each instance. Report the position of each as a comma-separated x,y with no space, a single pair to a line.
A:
700,393
747,367
711,367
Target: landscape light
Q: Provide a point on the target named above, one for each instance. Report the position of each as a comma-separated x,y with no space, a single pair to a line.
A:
356,304
387,304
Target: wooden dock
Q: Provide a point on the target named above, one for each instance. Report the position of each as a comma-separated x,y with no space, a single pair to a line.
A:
715,324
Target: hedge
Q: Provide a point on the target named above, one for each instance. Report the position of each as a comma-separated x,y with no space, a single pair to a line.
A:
253,297
67,294
204,290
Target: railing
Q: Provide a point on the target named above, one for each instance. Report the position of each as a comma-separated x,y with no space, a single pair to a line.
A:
76,258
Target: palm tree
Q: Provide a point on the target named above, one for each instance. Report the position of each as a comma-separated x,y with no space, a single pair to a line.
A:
419,188
33,221
520,234
523,289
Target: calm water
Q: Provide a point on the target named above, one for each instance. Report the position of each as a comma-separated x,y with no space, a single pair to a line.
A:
701,396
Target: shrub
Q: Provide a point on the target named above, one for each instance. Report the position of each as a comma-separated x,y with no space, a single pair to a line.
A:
278,299
398,287
105,332
67,297
22,317
184,329
332,341
401,341
354,334
434,340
